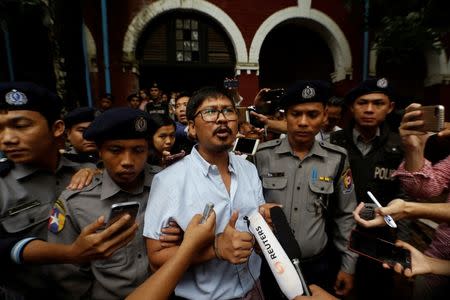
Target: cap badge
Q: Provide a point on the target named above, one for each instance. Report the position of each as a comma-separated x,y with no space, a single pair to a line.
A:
308,92
140,124
16,98
382,83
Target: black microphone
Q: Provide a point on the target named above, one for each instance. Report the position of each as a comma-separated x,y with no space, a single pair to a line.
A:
284,234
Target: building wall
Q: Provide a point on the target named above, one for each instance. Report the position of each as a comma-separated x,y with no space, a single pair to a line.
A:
247,22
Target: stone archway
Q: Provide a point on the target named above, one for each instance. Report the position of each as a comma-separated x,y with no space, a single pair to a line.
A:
318,22
151,11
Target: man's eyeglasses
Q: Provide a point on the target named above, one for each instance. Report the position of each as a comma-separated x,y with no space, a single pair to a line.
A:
212,114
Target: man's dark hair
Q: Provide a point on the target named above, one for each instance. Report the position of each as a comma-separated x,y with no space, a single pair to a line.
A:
336,101
108,96
131,96
181,95
201,95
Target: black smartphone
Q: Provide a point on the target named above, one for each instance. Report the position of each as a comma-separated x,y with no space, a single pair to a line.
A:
246,146
120,209
379,249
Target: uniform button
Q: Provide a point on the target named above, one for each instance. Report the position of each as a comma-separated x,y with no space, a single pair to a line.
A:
298,188
300,166
322,188
295,208
273,184
139,255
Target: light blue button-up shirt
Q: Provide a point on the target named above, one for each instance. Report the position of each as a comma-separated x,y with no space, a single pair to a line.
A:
181,191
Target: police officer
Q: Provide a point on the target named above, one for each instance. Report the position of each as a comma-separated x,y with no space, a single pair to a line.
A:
157,105
312,181
121,135
76,122
375,152
30,127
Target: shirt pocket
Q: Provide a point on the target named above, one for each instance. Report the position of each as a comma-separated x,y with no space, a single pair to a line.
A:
320,193
119,258
274,183
31,214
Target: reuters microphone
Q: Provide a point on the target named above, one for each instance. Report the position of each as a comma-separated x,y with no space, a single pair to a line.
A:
278,261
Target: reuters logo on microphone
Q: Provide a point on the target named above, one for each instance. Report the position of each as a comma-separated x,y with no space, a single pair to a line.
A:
279,267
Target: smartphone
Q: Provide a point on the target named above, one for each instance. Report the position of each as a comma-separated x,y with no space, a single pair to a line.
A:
433,117
246,146
120,209
379,249
242,114
207,211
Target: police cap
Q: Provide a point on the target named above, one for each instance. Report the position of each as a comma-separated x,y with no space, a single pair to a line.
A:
121,123
370,86
305,91
79,115
30,96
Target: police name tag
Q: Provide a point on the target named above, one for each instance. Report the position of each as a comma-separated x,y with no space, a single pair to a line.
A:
22,207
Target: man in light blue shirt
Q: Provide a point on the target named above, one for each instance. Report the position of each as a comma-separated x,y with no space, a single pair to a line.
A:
228,268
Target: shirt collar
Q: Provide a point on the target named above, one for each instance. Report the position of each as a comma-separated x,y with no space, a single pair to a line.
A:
110,187
206,166
357,136
285,147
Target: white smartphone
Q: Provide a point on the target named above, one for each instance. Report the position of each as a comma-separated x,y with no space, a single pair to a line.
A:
120,209
207,211
246,146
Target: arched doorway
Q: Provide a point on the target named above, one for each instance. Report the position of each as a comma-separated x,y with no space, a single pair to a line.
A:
184,50
292,51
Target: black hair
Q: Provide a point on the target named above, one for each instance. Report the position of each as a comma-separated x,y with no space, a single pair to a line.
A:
201,95
181,95
108,96
157,121
131,96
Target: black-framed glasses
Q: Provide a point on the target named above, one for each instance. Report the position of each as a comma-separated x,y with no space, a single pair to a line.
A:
212,114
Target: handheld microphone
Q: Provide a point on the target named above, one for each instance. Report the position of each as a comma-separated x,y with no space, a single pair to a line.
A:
278,261
286,238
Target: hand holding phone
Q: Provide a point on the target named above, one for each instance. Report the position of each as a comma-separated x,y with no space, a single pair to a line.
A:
120,209
432,117
379,249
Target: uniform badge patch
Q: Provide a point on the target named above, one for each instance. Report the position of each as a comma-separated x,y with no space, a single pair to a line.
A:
140,124
314,175
308,92
14,97
57,217
382,83
347,181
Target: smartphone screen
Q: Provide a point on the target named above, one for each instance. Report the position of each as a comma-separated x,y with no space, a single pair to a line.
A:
120,209
247,146
379,249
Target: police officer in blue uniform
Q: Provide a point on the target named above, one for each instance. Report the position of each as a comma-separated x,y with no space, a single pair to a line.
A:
313,183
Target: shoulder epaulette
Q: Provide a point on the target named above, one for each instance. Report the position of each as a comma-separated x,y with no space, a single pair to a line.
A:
269,144
333,147
95,182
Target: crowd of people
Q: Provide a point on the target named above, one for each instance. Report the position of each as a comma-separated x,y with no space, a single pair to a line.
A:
171,155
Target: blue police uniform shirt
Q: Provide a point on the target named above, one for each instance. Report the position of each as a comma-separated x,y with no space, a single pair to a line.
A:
181,191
